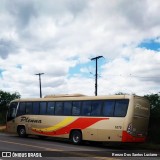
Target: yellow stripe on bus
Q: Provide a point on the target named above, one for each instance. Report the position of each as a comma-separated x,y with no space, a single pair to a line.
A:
57,126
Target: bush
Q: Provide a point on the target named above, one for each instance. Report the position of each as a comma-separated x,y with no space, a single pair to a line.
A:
154,125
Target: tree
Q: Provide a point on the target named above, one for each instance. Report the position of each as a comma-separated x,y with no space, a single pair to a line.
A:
154,100
154,125
5,99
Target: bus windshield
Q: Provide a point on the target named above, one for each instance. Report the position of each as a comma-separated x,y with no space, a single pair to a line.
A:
12,111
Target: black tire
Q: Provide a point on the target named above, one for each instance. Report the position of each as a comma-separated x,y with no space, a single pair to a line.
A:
21,131
76,137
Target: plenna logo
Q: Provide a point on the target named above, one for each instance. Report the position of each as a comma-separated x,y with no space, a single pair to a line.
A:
26,119
141,107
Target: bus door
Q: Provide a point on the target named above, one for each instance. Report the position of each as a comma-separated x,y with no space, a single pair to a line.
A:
11,115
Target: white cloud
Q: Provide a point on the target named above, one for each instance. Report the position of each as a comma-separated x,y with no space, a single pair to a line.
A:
53,36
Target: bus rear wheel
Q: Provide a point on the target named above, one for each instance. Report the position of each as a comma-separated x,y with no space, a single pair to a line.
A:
76,137
21,131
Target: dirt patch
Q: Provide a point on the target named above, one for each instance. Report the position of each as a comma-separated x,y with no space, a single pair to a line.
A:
2,128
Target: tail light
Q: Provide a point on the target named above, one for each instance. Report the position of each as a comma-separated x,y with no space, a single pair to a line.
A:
139,134
130,129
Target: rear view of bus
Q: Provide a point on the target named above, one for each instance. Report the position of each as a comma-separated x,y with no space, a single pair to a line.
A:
136,123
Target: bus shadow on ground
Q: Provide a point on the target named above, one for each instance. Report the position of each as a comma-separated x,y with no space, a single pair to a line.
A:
104,145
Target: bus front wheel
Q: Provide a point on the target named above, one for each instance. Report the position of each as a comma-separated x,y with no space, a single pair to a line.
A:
21,131
76,137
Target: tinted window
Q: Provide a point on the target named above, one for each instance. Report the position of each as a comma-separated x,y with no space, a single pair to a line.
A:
76,108
50,108
86,108
108,108
59,108
35,107
121,108
28,108
42,107
13,105
21,109
96,108
12,111
67,108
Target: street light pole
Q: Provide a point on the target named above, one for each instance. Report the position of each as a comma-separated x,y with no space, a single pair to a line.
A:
96,75
39,74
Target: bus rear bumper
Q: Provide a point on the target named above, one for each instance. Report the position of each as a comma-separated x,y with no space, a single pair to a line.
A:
126,137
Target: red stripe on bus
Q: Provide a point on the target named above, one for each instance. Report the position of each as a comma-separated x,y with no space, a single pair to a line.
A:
80,123
126,137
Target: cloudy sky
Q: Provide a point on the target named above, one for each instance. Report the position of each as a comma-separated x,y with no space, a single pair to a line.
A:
59,38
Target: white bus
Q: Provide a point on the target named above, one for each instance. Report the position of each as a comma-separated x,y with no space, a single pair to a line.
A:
117,118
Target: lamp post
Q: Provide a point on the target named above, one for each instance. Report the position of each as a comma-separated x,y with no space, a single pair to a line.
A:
96,75
39,74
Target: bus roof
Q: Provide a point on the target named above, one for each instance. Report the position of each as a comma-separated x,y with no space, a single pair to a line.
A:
74,98
64,95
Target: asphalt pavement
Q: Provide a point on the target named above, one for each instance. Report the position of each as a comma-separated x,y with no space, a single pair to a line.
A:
14,147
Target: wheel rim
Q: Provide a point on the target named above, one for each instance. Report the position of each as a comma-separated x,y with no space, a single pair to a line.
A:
76,138
22,131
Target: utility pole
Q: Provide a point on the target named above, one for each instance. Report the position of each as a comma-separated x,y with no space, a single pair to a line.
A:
39,74
96,75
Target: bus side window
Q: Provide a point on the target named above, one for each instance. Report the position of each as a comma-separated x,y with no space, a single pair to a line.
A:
108,108
59,108
96,108
121,108
86,108
43,108
21,109
35,108
76,108
28,107
50,108
67,108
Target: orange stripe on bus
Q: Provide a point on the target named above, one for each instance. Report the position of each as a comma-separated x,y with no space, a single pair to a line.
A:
80,123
